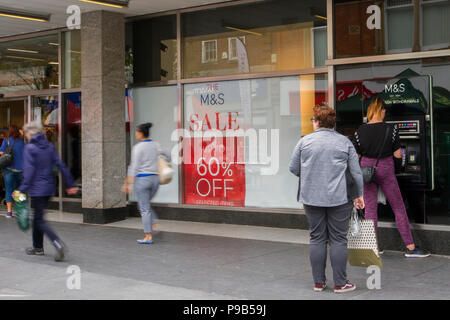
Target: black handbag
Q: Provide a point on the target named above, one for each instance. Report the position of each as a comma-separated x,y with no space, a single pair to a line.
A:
6,159
368,172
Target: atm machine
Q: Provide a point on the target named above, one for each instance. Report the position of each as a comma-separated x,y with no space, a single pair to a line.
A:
409,106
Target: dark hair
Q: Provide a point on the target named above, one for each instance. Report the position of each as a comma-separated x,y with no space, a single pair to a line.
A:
13,132
325,115
144,129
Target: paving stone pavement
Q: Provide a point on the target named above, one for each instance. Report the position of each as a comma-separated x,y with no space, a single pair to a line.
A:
192,266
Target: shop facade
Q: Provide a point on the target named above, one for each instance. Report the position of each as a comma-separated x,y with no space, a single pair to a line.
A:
40,80
259,66
230,89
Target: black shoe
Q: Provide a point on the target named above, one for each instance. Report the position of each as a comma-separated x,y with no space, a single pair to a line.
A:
60,250
34,251
381,251
417,253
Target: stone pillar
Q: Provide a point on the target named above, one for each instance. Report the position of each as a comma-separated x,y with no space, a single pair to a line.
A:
103,116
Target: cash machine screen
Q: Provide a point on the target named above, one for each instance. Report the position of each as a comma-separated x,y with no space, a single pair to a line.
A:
407,127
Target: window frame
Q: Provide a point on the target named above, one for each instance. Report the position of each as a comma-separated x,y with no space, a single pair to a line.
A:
230,57
204,53
386,26
443,45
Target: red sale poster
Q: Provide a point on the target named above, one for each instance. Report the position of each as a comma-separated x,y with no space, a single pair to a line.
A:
211,178
213,156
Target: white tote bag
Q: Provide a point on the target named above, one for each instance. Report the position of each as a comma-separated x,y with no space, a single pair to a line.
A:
165,171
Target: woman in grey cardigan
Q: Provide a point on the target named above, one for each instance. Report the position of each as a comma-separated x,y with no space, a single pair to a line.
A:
143,174
327,165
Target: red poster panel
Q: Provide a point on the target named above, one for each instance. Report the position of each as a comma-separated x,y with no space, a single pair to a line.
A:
345,90
212,173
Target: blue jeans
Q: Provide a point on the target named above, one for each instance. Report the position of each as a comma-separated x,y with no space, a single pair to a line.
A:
145,189
12,182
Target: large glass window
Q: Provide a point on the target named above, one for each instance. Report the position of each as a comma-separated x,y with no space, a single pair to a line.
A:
29,64
426,81
152,50
72,59
240,136
270,36
45,109
12,112
72,136
158,106
371,27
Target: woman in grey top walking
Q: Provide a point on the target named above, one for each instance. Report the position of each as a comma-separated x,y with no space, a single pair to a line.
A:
143,174
329,179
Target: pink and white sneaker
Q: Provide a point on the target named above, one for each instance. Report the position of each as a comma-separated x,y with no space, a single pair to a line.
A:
319,287
347,288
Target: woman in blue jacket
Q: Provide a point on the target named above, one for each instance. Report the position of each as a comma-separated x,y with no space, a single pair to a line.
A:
39,158
13,173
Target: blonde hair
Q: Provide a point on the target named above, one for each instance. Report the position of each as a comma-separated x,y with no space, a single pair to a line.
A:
375,108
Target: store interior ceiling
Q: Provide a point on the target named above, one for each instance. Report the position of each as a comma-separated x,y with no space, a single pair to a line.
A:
57,10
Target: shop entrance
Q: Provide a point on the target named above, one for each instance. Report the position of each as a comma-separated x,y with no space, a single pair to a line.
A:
12,112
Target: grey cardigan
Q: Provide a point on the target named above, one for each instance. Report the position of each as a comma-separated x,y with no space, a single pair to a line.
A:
328,169
144,158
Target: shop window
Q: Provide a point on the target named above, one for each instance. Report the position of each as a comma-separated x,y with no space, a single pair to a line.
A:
278,37
239,137
209,51
72,59
29,64
425,81
72,137
159,106
45,109
151,50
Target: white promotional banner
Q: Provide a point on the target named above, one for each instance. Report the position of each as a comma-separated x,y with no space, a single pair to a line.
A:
244,85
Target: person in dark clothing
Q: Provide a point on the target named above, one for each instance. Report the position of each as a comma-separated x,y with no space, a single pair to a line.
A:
13,173
368,144
39,158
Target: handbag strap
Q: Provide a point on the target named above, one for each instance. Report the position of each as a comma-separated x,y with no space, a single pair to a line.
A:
386,134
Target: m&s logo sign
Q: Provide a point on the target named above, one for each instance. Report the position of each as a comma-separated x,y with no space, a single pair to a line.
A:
394,88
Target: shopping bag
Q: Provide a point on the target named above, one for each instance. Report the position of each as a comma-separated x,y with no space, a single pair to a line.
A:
22,211
363,246
355,225
381,196
165,171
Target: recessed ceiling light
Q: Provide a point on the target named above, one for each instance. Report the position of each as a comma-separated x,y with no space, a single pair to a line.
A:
26,15
243,30
24,58
109,3
22,50
320,17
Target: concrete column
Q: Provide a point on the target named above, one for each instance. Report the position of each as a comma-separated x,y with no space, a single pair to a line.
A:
103,116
